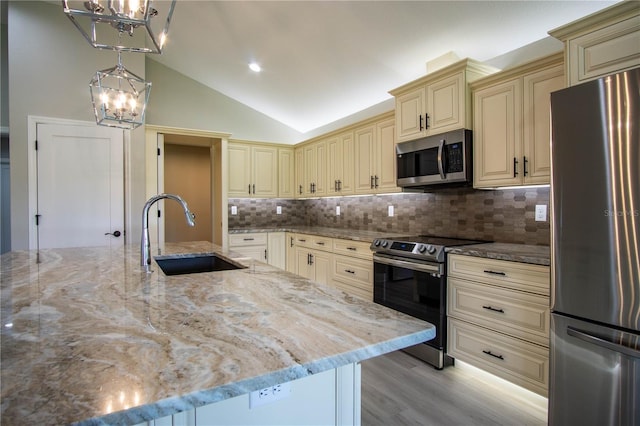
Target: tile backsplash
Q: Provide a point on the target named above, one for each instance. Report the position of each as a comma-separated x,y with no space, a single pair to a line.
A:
506,216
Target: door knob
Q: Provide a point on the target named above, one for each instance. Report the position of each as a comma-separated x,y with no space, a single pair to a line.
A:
115,233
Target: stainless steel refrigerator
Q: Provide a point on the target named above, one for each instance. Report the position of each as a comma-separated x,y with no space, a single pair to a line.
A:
595,321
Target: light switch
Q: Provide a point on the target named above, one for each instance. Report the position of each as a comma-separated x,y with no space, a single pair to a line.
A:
278,209
541,212
337,210
234,210
390,211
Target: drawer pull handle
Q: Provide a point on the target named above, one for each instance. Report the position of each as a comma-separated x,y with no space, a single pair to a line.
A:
493,355
302,241
349,271
352,248
488,271
491,308
248,239
320,243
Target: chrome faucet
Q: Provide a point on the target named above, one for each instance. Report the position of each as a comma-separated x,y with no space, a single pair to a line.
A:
145,247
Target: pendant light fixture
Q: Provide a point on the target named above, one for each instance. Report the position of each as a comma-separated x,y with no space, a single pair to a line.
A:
102,22
119,97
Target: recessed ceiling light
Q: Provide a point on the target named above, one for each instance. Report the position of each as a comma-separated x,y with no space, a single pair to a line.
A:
255,67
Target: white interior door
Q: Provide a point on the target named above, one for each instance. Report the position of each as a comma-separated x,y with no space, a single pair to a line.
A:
80,178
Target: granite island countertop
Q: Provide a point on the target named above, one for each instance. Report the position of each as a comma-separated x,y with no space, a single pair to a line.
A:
88,337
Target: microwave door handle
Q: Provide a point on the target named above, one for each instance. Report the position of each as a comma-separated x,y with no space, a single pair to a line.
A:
441,159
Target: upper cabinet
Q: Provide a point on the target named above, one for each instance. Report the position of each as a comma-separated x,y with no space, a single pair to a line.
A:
602,43
253,170
375,155
311,173
340,161
438,102
512,124
286,181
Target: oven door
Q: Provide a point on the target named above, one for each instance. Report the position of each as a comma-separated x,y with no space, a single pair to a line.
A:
414,288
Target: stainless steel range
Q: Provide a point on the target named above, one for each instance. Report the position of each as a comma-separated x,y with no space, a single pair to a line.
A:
410,277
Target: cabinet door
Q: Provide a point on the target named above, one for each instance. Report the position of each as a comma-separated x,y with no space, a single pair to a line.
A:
303,264
255,252
265,171
286,171
410,108
322,264
239,170
310,168
299,178
320,187
276,250
365,145
346,181
537,123
446,104
385,174
497,135
291,261
334,165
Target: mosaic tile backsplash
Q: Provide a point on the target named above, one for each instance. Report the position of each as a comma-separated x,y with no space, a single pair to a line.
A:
505,216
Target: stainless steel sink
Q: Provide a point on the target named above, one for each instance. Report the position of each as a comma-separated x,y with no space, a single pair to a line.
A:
193,264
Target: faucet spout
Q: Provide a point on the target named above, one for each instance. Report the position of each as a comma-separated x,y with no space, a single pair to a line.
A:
145,245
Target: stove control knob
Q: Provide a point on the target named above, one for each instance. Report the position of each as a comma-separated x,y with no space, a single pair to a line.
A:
431,249
422,248
376,243
385,243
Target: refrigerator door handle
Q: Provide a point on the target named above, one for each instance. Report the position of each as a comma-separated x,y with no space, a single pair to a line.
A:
599,341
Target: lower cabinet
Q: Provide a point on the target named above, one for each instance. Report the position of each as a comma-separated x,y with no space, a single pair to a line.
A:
314,257
498,318
353,268
268,247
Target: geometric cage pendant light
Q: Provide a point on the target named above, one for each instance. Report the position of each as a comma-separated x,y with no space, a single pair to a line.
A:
119,97
97,20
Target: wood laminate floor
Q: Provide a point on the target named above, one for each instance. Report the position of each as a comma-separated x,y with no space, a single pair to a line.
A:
398,389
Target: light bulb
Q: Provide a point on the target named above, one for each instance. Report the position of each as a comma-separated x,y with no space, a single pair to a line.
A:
104,98
132,104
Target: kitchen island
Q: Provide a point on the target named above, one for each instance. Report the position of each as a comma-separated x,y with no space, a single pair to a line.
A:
88,337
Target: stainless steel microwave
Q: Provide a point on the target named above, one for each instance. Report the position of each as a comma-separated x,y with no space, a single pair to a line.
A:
435,160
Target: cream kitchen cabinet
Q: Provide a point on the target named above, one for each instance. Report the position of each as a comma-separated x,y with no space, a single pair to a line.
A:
498,318
311,173
268,247
252,245
375,155
353,267
603,43
290,249
286,170
253,170
512,124
340,162
438,102
314,257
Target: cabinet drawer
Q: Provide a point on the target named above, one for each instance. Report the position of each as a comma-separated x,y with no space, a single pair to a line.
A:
252,239
314,242
355,270
519,314
352,248
519,362
514,275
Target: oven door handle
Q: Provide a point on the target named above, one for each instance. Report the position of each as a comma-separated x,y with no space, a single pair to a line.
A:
433,269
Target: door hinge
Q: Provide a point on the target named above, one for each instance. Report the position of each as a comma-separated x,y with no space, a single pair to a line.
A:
159,213
36,144
158,152
38,219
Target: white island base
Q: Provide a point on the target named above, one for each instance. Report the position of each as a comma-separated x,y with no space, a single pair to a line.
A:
328,398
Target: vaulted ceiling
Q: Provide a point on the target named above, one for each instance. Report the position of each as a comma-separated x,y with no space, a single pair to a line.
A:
324,60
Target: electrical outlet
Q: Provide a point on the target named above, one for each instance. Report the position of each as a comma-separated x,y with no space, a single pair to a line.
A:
234,210
337,210
278,209
390,211
269,395
541,212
